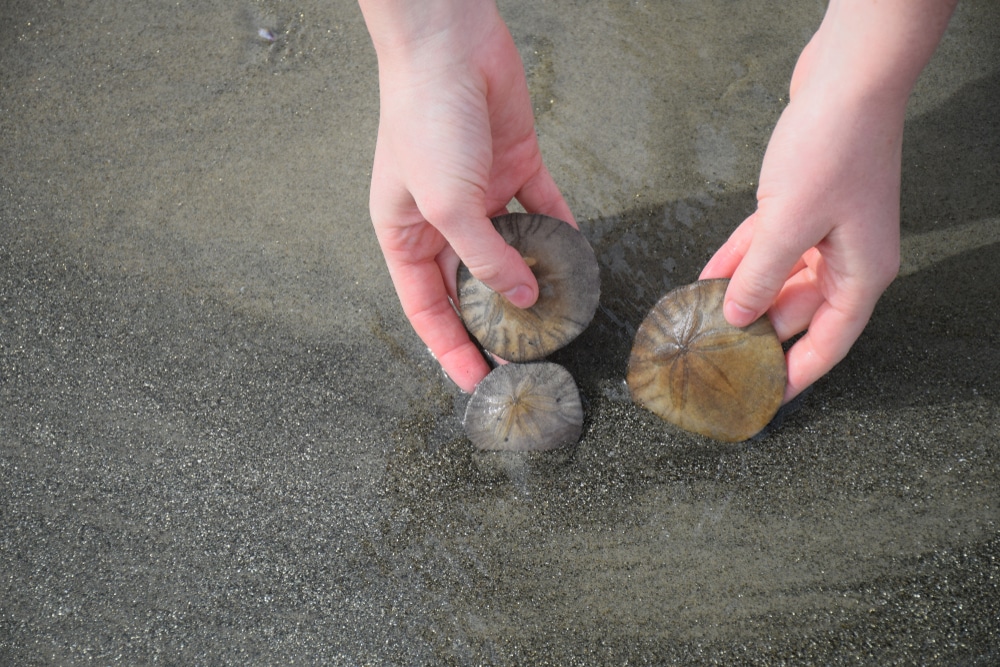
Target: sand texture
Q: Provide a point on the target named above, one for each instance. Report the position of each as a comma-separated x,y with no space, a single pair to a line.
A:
221,442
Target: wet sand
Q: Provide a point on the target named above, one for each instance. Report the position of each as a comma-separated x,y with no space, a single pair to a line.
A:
221,443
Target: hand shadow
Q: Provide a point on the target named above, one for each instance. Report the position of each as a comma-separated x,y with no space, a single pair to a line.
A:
935,335
951,160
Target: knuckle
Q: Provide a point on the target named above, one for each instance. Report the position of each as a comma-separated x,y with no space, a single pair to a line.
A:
757,288
485,272
490,267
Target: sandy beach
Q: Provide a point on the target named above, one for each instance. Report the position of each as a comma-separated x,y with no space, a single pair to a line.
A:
222,443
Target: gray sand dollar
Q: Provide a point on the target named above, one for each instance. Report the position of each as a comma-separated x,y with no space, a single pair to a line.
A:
568,291
524,407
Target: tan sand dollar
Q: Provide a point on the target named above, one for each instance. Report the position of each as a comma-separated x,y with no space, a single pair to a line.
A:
525,407
568,291
692,368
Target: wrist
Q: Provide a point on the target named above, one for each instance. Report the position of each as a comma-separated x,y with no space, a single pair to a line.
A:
873,52
401,29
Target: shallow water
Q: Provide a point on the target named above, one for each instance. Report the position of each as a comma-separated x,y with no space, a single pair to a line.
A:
222,443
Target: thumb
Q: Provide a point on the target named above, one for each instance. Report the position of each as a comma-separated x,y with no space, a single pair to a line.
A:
491,260
761,273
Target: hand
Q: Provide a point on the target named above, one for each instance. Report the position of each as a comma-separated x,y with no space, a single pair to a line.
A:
824,242
456,143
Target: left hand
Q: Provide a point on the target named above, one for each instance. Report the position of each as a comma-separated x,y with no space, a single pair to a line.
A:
456,142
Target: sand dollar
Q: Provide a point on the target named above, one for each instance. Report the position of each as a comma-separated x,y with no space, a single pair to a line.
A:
524,407
693,369
568,291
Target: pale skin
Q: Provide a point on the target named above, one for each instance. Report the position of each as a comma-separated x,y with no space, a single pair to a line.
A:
456,144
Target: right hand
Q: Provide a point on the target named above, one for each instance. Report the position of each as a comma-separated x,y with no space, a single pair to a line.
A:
456,143
823,243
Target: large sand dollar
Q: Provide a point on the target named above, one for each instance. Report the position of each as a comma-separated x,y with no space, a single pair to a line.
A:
568,291
692,368
525,407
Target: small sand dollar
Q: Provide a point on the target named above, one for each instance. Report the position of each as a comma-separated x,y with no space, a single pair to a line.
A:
692,368
568,291
524,407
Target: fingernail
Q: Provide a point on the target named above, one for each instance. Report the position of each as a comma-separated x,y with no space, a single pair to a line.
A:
521,296
737,315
